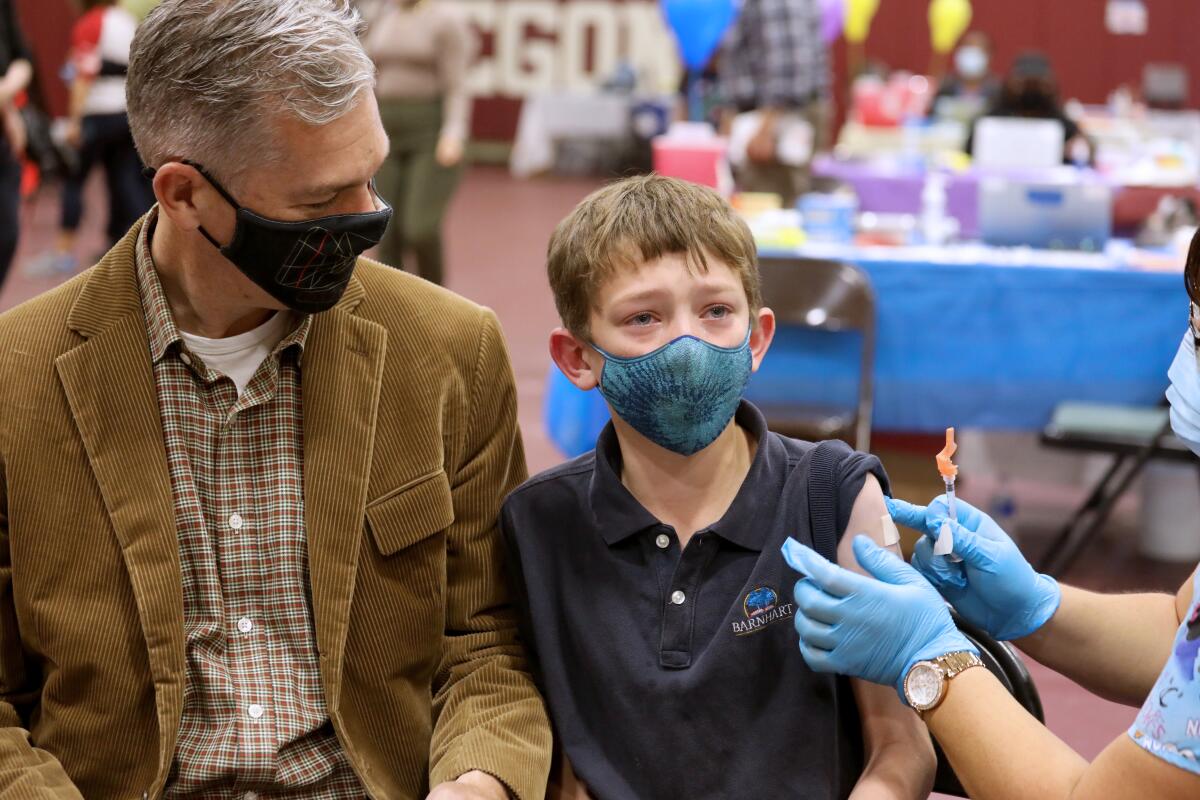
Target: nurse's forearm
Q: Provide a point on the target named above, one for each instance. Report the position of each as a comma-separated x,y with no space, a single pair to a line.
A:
1112,645
999,751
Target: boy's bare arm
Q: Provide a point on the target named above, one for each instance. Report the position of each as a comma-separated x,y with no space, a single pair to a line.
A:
899,762
564,783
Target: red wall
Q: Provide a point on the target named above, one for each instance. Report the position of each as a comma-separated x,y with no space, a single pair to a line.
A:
47,24
1089,60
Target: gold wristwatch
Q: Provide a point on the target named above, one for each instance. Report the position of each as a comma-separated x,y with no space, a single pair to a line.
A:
925,683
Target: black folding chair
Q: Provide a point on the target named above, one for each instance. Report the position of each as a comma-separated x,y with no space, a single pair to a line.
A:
1132,436
829,296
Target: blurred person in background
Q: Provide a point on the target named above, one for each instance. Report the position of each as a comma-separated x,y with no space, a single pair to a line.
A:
16,70
972,87
98,128
1030,90
422,49
774,61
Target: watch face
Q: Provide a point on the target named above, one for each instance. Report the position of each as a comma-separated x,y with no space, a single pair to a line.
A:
923,686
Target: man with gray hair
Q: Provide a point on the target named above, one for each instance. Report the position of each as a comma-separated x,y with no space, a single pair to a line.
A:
249,481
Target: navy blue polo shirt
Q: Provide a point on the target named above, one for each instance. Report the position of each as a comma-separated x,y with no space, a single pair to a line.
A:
674,673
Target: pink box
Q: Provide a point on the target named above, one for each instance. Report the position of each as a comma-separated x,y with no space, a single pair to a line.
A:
693,160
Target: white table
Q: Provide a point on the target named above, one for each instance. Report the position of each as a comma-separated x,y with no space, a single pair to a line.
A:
549,117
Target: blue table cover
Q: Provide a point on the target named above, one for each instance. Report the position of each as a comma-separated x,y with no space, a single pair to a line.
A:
976,338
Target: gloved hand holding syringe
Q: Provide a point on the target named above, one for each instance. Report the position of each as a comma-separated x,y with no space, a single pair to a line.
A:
944,544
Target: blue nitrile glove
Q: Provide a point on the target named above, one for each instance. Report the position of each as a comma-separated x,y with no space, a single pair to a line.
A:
1001,593
871,629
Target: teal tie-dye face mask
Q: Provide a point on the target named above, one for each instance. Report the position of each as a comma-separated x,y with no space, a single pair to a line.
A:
680,396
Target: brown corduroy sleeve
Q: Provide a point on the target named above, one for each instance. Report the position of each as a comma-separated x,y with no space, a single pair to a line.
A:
25,771
488,714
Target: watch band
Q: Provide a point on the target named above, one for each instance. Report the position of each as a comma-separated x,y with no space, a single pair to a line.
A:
954,663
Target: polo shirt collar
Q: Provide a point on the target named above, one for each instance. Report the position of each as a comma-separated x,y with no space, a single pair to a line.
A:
619,515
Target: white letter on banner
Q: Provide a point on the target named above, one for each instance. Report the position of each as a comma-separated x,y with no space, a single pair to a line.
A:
578,18
526,63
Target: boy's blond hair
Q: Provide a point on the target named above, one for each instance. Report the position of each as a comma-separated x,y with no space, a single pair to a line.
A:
640,219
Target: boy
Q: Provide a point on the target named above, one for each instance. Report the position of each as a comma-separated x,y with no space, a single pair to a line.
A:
654,602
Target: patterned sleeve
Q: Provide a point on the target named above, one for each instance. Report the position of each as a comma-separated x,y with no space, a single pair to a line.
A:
1168,726
794,69
735,72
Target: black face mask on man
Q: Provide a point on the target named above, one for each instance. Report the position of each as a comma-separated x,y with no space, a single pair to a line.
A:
306,265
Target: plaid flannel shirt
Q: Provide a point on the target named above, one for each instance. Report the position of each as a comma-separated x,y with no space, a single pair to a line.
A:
254,716
774,56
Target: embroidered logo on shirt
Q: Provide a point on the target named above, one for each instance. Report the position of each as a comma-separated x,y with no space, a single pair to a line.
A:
761,607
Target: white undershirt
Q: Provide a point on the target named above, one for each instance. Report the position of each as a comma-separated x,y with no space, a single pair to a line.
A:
239,357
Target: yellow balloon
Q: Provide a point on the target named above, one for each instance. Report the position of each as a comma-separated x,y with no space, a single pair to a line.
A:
859,14
948,20
139,8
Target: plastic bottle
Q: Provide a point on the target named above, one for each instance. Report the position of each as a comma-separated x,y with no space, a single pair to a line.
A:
933,208
912,157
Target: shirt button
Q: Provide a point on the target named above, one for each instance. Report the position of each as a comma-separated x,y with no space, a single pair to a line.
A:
185,358
255,711
677,597
663,541
250,796
245,625
236,521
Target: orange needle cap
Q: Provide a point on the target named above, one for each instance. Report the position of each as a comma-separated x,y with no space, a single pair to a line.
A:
946,467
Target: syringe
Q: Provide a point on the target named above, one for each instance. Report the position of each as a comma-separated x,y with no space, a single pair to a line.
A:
944,546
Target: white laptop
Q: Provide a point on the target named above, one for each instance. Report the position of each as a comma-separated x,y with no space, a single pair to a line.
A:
1005,143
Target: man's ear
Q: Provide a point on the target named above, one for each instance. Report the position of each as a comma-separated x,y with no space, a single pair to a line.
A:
182,194
576,358
761,336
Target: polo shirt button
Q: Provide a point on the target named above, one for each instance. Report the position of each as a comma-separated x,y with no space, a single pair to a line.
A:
677,597
255,711
663,541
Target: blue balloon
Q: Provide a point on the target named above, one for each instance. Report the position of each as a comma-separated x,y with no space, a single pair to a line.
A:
699,26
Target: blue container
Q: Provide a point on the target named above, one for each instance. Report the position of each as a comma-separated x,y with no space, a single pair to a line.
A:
828,217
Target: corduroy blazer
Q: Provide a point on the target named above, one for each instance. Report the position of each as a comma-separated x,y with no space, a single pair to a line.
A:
410,443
